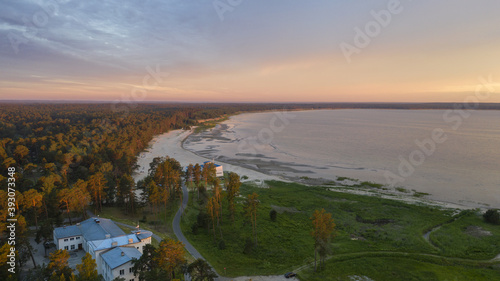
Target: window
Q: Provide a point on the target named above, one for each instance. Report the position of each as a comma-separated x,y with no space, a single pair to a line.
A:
65,247
72,247
131,280
122,271
77,237
72,238
66,240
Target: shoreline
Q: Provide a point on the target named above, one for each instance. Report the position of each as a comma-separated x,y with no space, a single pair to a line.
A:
172,144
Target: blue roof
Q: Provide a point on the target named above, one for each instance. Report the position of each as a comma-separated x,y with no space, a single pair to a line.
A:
67,231
91,229
216,165
114,257
109,243
144,234
97,228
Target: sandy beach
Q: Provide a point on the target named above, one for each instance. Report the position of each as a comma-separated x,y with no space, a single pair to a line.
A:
170,144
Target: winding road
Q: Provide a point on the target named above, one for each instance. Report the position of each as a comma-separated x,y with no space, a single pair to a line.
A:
176,226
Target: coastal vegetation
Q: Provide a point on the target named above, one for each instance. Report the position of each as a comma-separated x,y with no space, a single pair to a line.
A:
369,231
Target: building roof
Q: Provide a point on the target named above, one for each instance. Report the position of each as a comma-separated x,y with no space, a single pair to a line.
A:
216,165
67,231
143,234
91,229
114,242
120,255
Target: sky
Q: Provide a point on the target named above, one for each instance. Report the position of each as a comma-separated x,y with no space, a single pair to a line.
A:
250,50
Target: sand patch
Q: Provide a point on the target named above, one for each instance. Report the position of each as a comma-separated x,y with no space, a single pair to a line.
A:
477,231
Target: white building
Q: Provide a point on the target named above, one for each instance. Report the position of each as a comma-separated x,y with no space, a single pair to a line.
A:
104,240
118,263
218,168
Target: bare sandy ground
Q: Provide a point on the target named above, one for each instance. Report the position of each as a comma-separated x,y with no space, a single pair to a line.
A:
170,144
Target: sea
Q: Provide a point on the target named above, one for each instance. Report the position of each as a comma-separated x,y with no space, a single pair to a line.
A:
454,155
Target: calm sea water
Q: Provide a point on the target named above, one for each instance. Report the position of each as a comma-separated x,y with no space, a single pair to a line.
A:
455,156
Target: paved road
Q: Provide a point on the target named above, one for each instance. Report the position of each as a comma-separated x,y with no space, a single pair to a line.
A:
176,226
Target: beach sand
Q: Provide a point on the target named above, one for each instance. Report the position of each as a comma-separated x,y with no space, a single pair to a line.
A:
170,144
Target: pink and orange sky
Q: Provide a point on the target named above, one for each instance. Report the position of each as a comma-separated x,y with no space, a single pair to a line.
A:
248,50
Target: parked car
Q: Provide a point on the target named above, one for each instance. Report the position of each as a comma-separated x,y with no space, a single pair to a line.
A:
49,245
290,275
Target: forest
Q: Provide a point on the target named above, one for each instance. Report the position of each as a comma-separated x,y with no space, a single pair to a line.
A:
66,159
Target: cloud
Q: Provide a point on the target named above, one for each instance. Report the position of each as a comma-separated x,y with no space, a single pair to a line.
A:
104,45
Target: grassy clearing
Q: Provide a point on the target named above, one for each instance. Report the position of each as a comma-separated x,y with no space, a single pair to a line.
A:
399,268
210,124
364,224
468,237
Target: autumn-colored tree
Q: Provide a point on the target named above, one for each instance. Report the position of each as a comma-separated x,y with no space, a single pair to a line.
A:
59,263
197,176
251,204
126,193
200,270
154,196
87,270
96,185
323,227
81,197
33,201
211,210
169,256
189,175
20,153
233,188
66,198
209,173
4,273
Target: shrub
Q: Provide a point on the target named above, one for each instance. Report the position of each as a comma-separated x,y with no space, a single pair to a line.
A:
273,214
194,228
248,246
492,216
222,245
203,220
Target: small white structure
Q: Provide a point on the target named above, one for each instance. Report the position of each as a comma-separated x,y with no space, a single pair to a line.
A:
219,172
104,240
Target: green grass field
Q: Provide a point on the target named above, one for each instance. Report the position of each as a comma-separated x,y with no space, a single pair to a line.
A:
468,237
392,268
364,225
